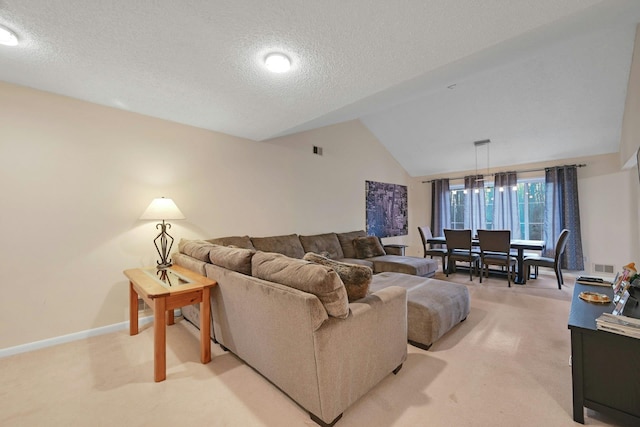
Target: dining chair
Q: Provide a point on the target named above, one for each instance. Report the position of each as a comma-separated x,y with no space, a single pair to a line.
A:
540,261
533,254
495,249
459,249
425,235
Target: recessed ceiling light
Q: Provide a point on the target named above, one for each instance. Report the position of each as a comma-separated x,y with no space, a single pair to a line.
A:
8,37
277,62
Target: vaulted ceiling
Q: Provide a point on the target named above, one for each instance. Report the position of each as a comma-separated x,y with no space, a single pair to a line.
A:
542,79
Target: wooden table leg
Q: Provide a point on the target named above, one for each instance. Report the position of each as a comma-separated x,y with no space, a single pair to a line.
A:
170,318
205,326
133,310
519,280
159,340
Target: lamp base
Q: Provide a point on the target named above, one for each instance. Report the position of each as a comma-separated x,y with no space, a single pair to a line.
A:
166,242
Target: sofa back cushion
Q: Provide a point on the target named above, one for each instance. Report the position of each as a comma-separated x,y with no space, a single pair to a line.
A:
237,241
346,242
368,247
198,249
325,244
288,245
315,279
231,258
356,278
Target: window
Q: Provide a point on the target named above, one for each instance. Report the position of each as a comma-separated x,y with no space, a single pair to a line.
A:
457,207
530,194
531,208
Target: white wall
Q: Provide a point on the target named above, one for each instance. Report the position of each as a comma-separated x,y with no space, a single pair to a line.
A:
608,212
630,136
76,176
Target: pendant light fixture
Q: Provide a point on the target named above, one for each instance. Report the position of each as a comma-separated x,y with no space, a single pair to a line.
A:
479,144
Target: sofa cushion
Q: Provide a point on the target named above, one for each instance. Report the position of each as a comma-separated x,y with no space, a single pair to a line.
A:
288,245
404,264
315,279
368,247
346,242
232,258
323,243
357,261
198,249
356,278
237,241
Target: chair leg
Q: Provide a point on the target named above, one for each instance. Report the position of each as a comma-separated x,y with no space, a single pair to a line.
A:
559,277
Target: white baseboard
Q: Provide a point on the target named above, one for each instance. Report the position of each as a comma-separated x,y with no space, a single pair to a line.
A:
36,345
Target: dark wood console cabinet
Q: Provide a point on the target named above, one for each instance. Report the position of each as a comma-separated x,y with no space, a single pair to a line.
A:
605,366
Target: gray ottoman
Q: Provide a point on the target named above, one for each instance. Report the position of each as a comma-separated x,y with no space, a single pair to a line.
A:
433,306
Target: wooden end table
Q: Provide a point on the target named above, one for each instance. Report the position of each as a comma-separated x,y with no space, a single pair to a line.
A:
163,291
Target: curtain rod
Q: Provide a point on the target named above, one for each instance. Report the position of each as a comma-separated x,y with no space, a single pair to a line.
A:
520,171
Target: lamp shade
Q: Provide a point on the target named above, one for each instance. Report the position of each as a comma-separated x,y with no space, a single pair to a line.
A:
162,208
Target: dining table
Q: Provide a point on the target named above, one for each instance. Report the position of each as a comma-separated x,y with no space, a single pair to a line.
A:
519,245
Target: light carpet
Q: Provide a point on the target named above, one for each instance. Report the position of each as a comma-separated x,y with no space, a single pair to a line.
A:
506,365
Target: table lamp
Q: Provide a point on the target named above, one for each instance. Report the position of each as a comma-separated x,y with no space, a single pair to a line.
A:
163,209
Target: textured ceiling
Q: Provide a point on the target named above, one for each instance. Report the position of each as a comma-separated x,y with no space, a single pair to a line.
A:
546,74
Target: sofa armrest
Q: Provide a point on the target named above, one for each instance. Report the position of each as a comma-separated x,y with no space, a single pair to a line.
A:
190,263
395,249
356,353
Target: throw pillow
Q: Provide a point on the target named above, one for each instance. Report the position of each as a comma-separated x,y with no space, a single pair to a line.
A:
236,259
346,242
315,279
356,278
368,247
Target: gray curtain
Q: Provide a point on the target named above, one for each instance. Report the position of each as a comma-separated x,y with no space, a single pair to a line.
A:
505,204
562,211
475,217
440,206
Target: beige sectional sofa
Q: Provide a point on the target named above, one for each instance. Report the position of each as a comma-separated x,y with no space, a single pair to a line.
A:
339,246
293,321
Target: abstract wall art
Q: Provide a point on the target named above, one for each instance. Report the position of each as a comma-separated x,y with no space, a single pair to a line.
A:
386,206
